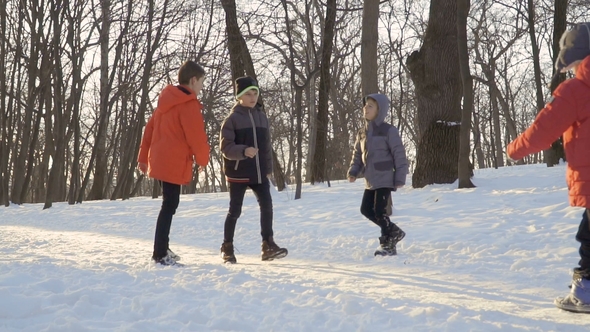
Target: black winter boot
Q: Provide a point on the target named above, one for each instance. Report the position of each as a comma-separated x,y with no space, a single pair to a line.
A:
386,246
227,253
270,250
395,233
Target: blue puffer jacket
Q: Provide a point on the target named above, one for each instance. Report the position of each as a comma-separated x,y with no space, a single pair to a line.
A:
379,152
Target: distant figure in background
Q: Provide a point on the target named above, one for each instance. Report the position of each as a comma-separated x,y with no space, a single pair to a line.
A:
174,139
247,163
381,156
568,113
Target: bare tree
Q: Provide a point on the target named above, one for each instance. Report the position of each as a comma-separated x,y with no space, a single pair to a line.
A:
59,119
99,150
435,71
241,62
556,152
464,167
318,166
4,152
536,57
24,132
370,38
298,106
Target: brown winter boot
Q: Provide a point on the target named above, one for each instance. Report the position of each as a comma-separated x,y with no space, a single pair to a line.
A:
227,253
270,250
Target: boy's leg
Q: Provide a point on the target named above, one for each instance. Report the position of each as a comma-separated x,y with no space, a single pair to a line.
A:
382,196
368,205
270,250
578,300
583,236
170,200
262,192
236,198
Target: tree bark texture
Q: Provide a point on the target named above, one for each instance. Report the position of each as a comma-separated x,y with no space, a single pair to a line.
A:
556,151
100,150
369,40
318,167
465,131
435,71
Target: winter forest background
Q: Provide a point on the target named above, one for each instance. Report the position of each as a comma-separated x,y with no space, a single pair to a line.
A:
80,78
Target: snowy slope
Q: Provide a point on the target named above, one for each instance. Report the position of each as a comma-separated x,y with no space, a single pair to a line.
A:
484,259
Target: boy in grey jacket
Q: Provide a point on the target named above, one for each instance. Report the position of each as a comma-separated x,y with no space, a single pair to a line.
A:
381,156
247,163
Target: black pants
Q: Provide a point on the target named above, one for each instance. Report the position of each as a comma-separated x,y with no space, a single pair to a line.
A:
374,207
236,195
583,237
171,197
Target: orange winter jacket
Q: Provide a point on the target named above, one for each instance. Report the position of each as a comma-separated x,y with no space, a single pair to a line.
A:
568,114
175,137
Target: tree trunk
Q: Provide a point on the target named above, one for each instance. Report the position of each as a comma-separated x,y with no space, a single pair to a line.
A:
240,63
556,151
100,168
77,56
499,147
4,150
318,166
536,61
464,165
369,39
53,184
436,75
24,130
299,165
481,160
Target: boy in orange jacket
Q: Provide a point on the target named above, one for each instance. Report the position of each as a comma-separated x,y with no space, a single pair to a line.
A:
568,113
174,139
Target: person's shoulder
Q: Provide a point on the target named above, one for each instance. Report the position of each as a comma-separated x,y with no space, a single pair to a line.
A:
571,88
388,126
392,130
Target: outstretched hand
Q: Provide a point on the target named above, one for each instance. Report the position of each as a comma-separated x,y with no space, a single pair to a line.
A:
508,158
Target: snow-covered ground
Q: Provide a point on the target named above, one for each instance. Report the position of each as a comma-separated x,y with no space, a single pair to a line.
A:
484,259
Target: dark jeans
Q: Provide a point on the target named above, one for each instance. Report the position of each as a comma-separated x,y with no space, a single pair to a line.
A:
170,199
236,195
374,207
583,237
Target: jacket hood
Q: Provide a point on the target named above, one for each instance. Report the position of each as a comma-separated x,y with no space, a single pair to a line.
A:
383,103
173,95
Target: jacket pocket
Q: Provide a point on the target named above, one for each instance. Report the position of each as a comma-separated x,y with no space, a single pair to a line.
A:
384,165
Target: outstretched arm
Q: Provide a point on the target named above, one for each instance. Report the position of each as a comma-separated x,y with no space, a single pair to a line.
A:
551,122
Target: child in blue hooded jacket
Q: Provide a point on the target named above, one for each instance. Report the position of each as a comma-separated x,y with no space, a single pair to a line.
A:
380,155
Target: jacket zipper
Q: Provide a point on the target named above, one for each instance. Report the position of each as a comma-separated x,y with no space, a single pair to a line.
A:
256,146
236,167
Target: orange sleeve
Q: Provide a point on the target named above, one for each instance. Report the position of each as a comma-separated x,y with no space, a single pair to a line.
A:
551,122
146,141
193,126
